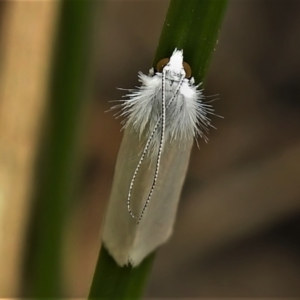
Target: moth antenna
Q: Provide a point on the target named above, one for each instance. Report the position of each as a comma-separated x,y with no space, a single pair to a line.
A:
146,148
138,167
161,143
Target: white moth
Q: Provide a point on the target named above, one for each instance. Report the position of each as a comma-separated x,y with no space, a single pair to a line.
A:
164,115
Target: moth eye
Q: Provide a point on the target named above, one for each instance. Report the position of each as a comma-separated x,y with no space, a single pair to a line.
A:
187,69
160,65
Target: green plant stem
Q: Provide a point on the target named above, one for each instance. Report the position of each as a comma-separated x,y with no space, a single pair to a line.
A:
113,282
68,95
193,26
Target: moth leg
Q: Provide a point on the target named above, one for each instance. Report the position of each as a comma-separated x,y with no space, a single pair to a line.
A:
151,72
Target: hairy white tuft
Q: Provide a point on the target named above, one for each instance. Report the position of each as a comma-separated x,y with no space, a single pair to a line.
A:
186,117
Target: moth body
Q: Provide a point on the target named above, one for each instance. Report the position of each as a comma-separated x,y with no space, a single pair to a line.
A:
163,116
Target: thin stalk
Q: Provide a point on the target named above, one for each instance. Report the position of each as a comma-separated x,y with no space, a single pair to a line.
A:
68,94
193,26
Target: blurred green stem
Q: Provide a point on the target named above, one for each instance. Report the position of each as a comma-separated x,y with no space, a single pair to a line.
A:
68,95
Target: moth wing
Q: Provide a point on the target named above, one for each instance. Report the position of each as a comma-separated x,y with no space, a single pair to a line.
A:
126,241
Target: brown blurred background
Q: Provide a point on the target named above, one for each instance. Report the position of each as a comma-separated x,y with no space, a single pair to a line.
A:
237,232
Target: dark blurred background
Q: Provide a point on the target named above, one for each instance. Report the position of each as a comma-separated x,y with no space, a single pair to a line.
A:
237,231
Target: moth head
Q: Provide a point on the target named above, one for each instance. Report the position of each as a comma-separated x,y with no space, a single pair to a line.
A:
175,65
